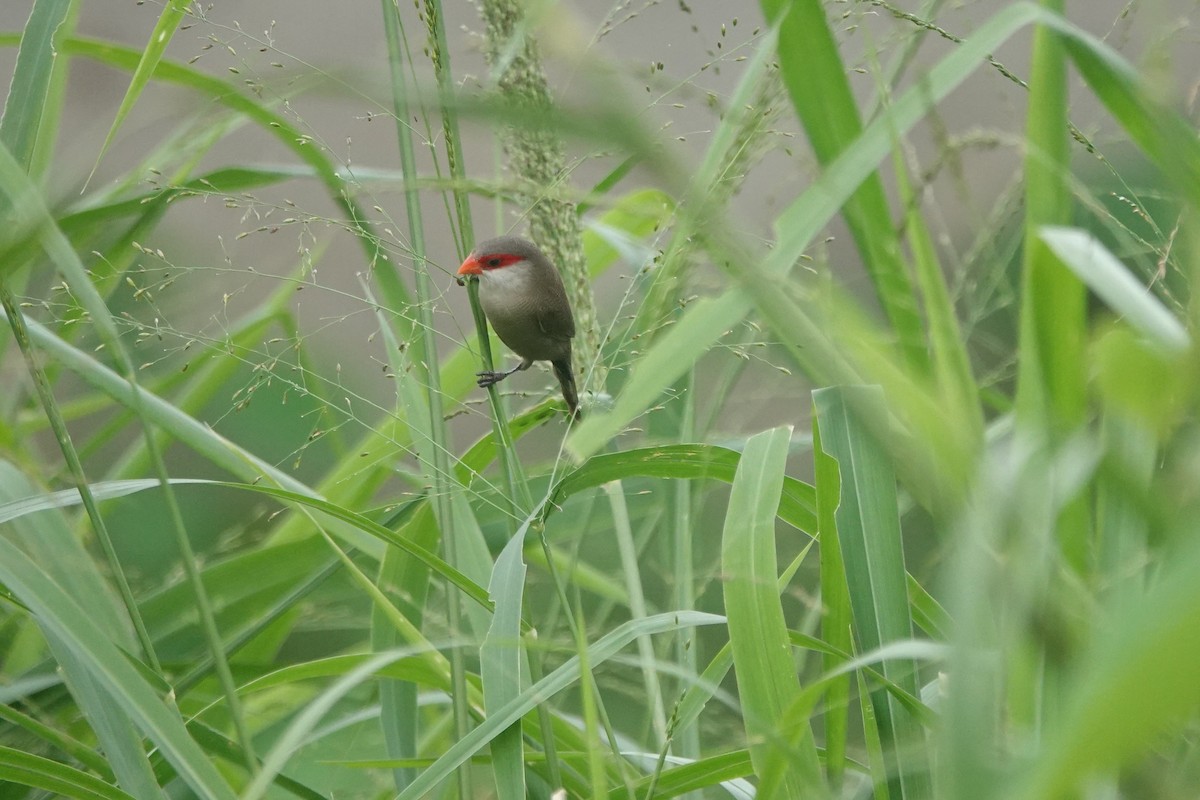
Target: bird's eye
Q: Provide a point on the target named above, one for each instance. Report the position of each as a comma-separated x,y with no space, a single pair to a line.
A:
493,262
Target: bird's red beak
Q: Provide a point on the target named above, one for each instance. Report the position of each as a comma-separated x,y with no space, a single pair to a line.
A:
470,267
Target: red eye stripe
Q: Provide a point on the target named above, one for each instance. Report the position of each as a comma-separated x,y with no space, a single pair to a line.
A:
497,260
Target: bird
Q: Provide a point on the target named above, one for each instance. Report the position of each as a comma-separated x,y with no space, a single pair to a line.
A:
523,298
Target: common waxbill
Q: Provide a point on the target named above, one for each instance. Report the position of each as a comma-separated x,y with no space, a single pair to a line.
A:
523,298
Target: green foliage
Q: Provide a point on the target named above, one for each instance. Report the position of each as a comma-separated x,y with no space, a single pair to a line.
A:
378,583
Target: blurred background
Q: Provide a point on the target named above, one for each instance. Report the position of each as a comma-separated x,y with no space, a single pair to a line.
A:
215,257
316,373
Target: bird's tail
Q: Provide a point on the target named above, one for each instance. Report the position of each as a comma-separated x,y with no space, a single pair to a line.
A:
566,379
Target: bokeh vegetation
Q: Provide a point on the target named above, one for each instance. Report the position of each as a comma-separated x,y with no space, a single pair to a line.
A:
864,504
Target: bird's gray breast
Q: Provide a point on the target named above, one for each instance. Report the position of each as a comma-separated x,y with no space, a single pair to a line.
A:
510,299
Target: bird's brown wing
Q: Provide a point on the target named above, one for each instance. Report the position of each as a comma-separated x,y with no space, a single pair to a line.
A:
556,320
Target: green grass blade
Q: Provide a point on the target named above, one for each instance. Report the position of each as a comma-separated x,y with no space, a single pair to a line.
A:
817,82
703,773
168,22
60,615
455,578
1051,380
49,541
948,347
500,664
630,569
407,582
562,677
25,106
1163,134
868,527
77,750
767,681
115,728
707,320
41,773
1130,692
294,735
363,523
182,427
1105,275
31,503
797,501
837,621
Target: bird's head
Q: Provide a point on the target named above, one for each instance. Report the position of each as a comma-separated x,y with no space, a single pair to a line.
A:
505,254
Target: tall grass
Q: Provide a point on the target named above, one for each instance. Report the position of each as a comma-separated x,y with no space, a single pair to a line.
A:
963,565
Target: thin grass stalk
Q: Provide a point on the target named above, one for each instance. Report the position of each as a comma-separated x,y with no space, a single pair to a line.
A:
169,19
519,496
59,250
1051,387
545,717
537,158
740,142
34,104
58,425
587,692
894,72
816,79
1052,299
682,532
201,669
950,361
439,55
836,620
429,369
208,622
577,634
637,607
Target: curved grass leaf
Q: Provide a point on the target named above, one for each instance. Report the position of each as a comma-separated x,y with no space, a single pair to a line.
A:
64,498
34,771
215,743
709,319
108,666
359,521
168,21
28,94
566,675
766,676
294,735
1100,270
277,125
797,500
726,769
1137,682
868,530
500,664
49,541
818,84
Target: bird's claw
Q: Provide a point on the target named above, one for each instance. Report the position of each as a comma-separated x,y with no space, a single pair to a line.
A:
486,379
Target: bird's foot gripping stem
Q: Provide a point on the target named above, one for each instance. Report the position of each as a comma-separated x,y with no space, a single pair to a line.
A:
486,379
